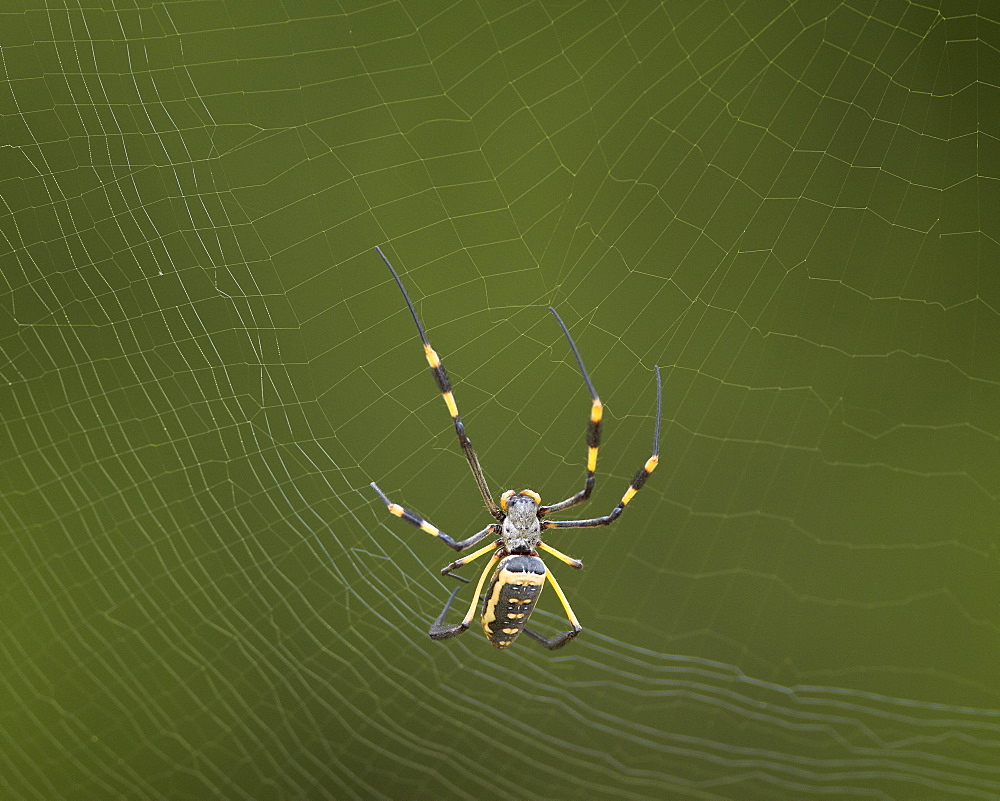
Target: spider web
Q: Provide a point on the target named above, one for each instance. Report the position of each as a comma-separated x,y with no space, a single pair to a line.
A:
791,209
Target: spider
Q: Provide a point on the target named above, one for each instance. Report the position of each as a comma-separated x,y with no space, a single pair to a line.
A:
520,573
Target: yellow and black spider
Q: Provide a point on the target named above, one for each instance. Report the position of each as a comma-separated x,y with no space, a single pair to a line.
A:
520,573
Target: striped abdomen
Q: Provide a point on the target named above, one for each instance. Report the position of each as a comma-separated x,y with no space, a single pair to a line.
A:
511,596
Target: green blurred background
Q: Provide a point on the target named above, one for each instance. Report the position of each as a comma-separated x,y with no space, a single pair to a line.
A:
792,209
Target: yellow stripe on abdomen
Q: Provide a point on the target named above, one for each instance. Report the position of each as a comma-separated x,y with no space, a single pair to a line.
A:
510,590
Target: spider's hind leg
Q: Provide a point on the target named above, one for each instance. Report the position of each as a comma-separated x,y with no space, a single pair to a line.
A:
554,642
439,630
560,639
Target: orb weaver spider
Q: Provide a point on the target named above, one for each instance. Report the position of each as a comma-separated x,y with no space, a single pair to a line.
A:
520,573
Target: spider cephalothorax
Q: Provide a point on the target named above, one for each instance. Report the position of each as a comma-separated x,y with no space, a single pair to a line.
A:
520,574
521,529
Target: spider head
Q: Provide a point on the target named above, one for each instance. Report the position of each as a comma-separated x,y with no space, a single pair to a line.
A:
521,528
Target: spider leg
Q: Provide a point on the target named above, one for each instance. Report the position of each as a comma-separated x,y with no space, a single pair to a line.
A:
634,487
472,557
560,639
439,629
569,560
441,377
423,525
593,432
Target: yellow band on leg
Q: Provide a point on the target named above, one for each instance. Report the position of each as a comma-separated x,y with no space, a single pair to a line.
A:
432,357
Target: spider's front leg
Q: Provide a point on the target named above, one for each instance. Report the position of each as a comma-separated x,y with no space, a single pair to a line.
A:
593,432
637,482
444,385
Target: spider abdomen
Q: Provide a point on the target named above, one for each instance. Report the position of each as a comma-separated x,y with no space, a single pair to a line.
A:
511,596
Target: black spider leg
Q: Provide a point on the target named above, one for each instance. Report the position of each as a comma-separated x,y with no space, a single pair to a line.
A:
593,431
441,377
552,642
416,520
634,487
438,624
